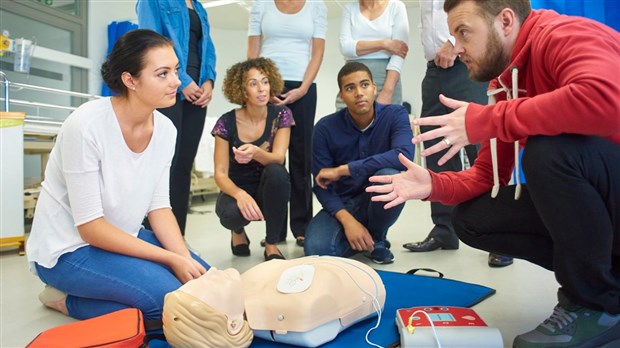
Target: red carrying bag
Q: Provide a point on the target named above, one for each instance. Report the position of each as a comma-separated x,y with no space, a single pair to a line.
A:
120,329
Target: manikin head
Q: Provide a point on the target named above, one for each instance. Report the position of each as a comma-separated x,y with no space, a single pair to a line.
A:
207,312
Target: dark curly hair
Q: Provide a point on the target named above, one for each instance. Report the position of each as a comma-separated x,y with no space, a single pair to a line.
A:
128,56
234,82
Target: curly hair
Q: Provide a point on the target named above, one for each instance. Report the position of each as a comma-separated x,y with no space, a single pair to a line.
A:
234,82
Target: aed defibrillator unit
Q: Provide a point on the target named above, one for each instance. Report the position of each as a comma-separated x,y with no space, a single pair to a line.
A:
453,327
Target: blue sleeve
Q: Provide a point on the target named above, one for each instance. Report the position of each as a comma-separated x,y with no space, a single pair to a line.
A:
395,122
208,54
322,158
149,15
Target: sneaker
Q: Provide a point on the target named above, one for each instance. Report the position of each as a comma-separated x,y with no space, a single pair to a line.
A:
496,260
381,254
571,325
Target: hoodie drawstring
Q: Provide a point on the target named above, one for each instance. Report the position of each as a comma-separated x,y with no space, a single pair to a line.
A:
493,142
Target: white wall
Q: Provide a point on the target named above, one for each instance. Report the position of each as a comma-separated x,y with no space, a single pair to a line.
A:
100,14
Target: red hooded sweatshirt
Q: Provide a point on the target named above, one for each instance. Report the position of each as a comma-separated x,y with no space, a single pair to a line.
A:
569,82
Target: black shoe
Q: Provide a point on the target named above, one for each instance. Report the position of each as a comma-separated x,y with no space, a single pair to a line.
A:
262,242
496,260
300,241
428,244
273,256
241,249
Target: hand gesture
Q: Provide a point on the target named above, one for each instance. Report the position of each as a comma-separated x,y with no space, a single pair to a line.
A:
384,97
192,92
397,47
451,130
289,97
206,95
415,183
248,207
444,58
358,236
244,153
186,268
326,176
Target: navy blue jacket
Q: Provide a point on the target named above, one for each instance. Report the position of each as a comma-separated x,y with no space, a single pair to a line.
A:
337,140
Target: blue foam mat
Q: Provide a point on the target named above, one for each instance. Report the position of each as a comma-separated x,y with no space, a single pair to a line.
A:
402,291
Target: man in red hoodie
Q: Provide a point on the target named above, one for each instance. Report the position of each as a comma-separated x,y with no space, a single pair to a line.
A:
554,90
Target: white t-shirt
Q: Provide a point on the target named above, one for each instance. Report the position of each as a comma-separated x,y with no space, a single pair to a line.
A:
287,38
392,24
433,27
92,173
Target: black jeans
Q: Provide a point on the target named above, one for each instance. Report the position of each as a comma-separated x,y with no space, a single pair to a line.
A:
271,194
567,219
189,121
300,157
453,83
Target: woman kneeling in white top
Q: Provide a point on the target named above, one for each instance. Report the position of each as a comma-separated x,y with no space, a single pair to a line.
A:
108,170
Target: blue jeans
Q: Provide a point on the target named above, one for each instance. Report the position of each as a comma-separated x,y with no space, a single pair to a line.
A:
325,234
98,282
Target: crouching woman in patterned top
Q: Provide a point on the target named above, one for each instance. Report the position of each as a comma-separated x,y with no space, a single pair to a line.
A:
250,148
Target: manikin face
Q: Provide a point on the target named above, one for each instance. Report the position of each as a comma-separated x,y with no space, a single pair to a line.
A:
357,91
478,42
257,88
223,291
159,79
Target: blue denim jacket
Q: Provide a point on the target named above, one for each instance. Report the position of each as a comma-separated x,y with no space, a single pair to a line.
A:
171,19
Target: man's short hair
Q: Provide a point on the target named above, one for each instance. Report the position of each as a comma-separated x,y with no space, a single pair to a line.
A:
351,67
491,8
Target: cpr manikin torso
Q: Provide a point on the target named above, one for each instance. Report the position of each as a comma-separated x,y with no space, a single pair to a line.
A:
207,312
309,300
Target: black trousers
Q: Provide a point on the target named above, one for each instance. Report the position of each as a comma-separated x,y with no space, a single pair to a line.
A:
189,121
453,83
300,159
567,219
271,194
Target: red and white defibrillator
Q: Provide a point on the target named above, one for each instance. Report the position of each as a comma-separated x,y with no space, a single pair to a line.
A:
445,326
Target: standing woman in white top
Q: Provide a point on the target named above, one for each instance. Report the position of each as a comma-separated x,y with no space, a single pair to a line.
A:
109,168
292,34
376,33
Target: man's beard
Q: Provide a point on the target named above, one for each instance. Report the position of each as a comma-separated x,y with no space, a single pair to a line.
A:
494,61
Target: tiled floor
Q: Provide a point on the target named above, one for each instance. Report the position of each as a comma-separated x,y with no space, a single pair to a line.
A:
525,292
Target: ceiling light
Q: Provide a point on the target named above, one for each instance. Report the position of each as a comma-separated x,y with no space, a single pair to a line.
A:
217,3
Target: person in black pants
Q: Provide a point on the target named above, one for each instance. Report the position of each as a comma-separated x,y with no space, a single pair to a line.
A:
558,100
292,33
300,158
447,75
186,24
250,147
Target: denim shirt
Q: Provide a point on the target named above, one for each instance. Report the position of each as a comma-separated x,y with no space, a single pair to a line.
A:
337,140
171,19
